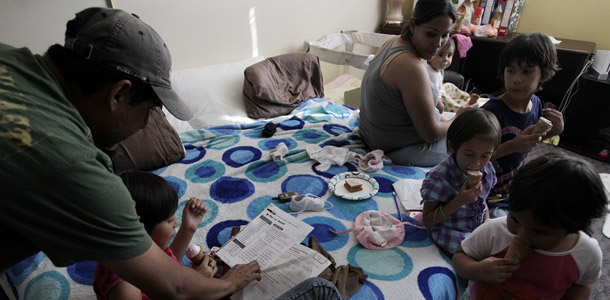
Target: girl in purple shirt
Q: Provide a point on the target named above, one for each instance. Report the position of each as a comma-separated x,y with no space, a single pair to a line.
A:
452,208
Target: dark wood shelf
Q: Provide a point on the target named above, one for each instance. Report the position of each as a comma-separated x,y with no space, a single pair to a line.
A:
481,65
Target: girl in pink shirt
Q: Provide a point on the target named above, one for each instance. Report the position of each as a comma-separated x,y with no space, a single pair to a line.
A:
553,200
156,203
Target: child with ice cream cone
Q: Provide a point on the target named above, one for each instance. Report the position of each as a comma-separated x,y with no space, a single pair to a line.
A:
542,249
454,191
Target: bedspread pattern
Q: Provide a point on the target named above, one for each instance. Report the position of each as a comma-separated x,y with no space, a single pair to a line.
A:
229,167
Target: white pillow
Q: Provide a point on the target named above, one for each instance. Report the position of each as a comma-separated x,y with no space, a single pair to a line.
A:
179,125
214,93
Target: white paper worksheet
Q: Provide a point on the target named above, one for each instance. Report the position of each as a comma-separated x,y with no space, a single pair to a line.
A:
292,267
265,238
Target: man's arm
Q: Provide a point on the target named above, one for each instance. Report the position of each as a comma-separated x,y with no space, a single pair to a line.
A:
160,277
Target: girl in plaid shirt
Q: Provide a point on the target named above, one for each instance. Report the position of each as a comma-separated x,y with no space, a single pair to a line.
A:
452,209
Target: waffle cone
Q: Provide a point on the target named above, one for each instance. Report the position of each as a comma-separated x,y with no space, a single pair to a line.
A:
474,176
542,125
517,250
197,259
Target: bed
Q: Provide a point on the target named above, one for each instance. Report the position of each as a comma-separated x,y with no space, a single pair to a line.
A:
227,164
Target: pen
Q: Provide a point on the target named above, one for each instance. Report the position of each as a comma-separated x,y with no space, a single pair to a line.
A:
397,206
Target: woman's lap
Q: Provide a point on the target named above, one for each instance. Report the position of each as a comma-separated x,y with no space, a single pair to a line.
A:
420,155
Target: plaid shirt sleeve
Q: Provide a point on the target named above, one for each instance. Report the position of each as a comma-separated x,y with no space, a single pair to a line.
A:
435,188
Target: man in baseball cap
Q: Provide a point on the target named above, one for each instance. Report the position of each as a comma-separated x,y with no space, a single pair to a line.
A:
123,42
58,193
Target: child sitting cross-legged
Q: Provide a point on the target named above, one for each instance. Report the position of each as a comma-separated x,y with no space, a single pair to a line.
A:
454,205
553,201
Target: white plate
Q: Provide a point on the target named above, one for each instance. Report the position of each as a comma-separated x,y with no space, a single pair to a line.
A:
370,187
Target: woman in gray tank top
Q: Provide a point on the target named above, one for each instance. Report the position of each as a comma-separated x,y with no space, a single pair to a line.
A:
397,109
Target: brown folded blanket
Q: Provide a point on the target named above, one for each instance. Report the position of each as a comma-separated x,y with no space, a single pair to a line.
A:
277,85
347,278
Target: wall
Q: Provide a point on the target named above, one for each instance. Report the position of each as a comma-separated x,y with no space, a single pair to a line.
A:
203,32
585,20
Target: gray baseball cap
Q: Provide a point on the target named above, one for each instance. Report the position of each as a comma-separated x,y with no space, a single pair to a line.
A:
123,42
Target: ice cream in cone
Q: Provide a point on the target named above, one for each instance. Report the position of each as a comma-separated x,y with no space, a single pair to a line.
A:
474,176
517,250
542,125
195,254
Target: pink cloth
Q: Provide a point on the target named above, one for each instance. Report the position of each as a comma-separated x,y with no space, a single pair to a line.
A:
464,43
378,230
105,280
372,161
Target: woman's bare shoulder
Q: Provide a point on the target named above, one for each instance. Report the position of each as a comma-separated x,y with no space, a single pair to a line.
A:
406,65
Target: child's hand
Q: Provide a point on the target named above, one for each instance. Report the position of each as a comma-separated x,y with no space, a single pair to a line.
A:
497,269
440,105
469,195
207,267
526,141
465,107
556,117
193,213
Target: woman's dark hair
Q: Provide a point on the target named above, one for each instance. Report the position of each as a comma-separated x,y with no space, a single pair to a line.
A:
85,77
534,48
156,200
560,191
426,10
476,122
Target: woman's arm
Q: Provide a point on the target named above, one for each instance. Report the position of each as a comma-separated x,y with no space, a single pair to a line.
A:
408,74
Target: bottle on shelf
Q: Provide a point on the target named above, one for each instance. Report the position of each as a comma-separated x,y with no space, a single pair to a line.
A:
478,13
497,16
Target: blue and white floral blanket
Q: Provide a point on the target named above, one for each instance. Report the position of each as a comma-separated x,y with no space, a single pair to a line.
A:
230,169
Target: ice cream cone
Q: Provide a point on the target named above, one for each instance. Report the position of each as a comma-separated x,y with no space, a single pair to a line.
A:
517,250
474,176
542,125
195,254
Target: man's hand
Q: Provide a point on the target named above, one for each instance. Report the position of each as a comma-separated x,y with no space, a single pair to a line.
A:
242,275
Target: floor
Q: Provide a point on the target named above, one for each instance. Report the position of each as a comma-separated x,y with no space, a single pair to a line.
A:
602,286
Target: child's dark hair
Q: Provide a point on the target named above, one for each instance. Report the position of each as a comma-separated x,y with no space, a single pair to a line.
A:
449,44
156,199
475,122
561,191
426,10
535,48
